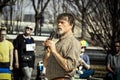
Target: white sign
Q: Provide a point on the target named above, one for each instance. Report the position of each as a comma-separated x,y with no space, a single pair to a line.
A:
30,47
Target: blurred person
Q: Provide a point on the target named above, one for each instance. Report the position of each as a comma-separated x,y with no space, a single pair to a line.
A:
25,47
84,70
61,58
6,51
113,63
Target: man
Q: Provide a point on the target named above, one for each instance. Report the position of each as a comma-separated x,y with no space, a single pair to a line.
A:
61,58
25,46
113,63
84,69
6,53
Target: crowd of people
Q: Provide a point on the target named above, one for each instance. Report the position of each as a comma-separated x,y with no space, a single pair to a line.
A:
62,58
18,56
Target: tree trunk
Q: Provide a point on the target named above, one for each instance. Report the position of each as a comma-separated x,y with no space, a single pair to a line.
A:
36,24
83,24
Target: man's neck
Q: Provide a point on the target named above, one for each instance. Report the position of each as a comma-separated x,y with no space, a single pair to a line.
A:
66,34
1,40
26,35
81,53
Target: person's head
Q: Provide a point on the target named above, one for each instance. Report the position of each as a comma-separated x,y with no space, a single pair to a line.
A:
3,33
28,30
83,49
84,44
65,23
117,46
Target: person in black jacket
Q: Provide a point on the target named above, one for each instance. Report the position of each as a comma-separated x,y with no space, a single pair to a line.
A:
26,47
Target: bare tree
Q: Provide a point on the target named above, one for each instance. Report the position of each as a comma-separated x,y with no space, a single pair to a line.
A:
55,10
12,2
3,3
100,19
39,13
19,12
8,15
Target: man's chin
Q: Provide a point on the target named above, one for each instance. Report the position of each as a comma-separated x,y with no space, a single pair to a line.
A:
28,33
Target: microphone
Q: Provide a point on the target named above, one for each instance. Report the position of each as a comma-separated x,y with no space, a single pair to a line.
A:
52,34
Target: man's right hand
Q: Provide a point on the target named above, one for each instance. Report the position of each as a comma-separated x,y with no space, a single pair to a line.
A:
17,65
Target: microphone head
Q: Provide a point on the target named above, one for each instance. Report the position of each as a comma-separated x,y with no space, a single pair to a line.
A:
52,35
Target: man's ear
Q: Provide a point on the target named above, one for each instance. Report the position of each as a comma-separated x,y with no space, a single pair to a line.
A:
72,27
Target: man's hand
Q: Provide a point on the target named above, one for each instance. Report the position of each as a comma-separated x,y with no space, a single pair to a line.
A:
10,67
46,44
16,65
50,45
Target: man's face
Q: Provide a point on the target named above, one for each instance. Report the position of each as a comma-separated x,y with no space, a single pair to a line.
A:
83,49
28,30
2,35
63,26
117,46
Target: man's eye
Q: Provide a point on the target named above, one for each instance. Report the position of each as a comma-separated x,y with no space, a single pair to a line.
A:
62,22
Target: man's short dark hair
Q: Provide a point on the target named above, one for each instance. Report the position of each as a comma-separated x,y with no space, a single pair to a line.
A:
70,17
